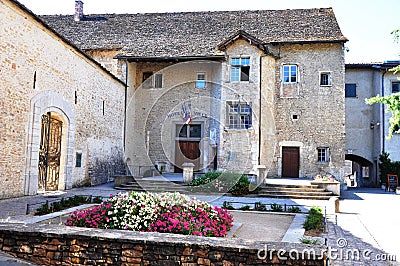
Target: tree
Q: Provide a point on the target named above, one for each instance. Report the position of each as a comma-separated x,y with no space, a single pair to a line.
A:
392,101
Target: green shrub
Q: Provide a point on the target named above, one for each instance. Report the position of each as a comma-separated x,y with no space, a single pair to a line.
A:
308,241
97,199
244,208
276,207
386,166
42,210
314,219
241,187
235,183
294,209
258,206
65,204
227,205
205,179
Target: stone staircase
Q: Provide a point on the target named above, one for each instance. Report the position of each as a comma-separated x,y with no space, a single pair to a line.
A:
294,191
140,184
269,190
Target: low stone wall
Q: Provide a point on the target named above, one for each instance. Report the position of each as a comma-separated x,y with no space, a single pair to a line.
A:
61,245
333,186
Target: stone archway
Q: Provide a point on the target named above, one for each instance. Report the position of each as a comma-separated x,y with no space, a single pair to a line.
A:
49,102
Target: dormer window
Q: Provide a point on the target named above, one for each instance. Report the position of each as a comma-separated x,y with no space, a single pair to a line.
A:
240,69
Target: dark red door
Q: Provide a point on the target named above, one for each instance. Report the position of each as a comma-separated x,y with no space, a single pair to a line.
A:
187,152
290,161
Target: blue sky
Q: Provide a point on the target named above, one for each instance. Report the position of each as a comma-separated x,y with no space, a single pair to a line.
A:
367,24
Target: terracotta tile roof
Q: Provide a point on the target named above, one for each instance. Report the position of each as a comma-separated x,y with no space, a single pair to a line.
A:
194,33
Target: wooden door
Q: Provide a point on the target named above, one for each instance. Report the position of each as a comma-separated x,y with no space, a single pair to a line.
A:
187,152
290,161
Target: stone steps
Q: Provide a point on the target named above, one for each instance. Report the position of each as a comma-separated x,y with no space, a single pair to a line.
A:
294,192
153,186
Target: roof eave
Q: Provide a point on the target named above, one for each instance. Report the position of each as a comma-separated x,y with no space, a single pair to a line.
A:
309,41
170,58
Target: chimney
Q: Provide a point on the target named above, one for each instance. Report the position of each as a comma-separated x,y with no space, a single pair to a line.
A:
78,10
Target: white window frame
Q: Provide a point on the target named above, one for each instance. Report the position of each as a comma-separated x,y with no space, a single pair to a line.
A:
289,67
241,61
329,76
201,83
391,87
158,78
155,81
239,115
325,158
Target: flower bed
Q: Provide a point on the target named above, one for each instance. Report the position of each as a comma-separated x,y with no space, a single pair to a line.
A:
221,182
151,212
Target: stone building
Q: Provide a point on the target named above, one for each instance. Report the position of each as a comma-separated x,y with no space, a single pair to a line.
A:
62,113
237,90
367,125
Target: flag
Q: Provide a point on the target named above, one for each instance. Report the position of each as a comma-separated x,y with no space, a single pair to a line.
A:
187,118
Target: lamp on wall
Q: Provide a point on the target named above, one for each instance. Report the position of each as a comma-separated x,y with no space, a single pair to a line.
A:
372,124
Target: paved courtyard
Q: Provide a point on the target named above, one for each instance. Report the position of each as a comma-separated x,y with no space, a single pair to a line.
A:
367,222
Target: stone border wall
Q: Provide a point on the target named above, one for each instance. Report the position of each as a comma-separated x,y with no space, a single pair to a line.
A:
61,245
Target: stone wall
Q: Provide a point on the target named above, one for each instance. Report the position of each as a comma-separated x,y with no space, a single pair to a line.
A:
41,73
59,245
155,113
239,148
320,110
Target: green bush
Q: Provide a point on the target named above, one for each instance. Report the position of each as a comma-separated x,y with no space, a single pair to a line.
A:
294,209
314,219
205,179
308,241
386,166
227,205
258,206
276,207
65,204
235,183
244,208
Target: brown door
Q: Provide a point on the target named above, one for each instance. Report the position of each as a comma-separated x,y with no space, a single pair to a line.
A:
187,152
290,161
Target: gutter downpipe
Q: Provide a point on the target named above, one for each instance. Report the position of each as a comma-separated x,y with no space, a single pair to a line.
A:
260,109
383,111
382,150
125,103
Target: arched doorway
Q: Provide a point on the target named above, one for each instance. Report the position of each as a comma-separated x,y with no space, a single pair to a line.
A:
50,152
360,171
50,144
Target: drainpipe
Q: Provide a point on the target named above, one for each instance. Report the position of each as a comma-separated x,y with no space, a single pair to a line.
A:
125,103
259,119
383,112
382,129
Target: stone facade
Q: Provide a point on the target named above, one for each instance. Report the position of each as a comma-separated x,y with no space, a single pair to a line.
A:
310,116
155,117
58,245
154,113
292,128
41,73
369,121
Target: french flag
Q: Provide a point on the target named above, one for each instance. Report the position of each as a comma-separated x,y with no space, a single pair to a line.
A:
187,118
